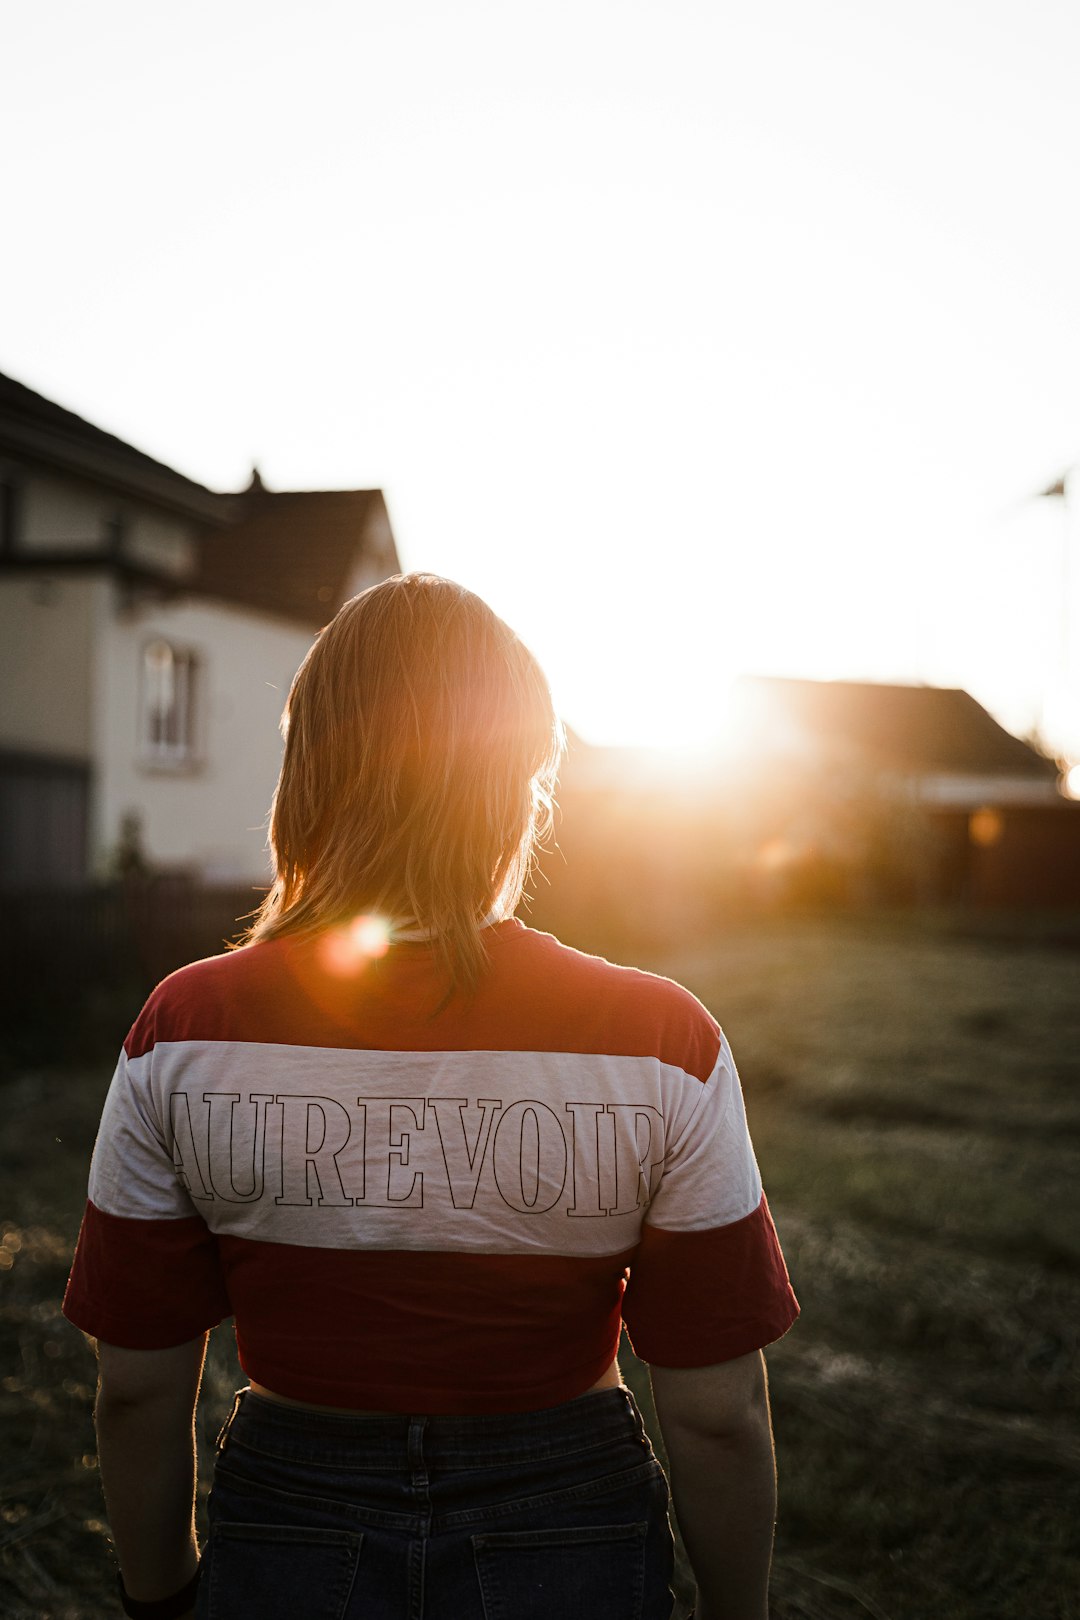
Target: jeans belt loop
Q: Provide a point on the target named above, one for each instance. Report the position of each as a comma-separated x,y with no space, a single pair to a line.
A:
223,1432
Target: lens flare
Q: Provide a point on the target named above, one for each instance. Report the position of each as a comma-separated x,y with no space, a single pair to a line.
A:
346,951
986,827
775,854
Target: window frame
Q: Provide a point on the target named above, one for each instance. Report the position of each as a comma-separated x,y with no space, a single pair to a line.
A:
158,749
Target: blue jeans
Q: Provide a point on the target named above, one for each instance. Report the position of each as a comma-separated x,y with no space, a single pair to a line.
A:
545,1515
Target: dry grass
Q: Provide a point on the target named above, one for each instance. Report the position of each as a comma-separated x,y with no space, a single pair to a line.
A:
914,1097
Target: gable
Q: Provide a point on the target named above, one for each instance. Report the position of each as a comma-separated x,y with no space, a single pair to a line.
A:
913,730
297,553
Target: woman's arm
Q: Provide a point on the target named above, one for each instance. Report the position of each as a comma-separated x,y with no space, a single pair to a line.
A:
145,1419
718,1434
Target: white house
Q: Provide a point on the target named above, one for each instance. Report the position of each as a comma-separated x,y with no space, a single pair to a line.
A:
149,630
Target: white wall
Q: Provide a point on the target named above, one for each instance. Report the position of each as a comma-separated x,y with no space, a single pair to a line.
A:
67,514
157,540
63,513
210,818
969,792
377,559
368,571
47,626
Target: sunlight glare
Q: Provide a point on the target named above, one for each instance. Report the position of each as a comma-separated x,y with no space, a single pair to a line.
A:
346,951
680,728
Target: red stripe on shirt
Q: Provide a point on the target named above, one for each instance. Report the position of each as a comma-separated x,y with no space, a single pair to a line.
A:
537,995
431,1332
145,1285
696,1298
414,1331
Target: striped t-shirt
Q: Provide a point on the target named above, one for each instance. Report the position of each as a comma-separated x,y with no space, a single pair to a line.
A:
428,1211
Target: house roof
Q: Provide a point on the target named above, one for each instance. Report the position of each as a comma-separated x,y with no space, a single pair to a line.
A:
913,729
292,552
36,428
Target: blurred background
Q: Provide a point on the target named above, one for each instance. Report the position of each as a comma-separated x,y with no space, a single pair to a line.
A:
731,353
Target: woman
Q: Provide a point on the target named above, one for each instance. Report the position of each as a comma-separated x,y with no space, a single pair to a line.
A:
416,1150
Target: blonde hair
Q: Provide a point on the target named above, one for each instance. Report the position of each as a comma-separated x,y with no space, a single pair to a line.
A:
421,750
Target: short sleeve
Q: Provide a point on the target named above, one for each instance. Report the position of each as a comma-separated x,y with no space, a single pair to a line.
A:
708,1280
146,1273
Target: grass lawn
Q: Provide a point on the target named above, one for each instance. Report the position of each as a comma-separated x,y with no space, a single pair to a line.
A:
915,1100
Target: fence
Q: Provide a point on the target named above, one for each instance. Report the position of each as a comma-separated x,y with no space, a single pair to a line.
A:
67,955
76,964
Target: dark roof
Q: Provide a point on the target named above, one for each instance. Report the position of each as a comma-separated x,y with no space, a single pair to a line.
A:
291,552
914,729
37,428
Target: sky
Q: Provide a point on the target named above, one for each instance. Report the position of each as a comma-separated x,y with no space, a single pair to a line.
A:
699,338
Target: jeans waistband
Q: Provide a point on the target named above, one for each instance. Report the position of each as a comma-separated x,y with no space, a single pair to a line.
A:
388,1440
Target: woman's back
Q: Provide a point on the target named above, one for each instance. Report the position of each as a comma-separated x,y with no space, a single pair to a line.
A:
409,1210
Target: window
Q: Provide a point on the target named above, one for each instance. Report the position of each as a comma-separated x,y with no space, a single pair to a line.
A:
9,514
168,704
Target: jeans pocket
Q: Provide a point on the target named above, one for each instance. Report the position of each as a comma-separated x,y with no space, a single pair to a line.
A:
597,1571
277,1572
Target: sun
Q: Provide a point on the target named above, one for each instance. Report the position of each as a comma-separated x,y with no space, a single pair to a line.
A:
685,731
